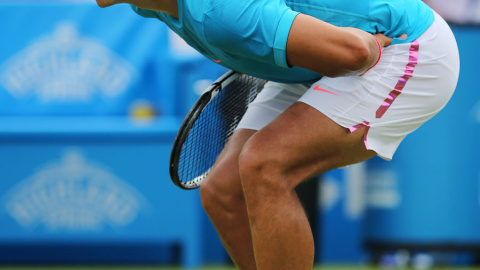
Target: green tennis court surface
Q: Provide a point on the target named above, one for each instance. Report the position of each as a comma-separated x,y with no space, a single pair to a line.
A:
203,268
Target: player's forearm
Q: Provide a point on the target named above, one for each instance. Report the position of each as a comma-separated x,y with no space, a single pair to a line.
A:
329,50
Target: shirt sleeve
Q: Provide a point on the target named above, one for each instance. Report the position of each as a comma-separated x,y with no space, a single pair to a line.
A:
256,29
281,36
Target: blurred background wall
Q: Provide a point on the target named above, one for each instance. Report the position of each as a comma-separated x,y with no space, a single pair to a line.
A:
90,102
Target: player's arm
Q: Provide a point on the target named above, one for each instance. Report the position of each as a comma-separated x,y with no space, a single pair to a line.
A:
332,51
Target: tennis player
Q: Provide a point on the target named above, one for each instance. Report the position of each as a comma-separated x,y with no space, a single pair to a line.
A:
388,67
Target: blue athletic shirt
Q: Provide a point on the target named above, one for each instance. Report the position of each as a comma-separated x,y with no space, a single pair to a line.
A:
250,36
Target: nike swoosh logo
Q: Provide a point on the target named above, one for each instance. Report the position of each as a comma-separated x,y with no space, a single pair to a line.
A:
217,61
323,90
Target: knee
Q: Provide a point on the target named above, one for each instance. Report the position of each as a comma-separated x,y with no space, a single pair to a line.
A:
263,172
220,196
207,194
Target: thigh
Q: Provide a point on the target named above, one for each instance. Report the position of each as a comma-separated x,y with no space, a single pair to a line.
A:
303,142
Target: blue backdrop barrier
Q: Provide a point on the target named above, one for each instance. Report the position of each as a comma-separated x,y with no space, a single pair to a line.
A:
428,195
98,186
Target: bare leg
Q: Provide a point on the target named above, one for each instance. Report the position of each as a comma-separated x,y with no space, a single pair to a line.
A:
222,199
298,144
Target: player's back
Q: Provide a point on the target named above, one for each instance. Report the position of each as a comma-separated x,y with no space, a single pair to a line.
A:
390,17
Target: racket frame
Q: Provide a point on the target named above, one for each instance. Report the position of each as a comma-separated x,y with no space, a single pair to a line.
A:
202,102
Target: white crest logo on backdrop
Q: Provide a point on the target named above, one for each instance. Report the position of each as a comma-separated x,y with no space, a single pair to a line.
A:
65,67
74,194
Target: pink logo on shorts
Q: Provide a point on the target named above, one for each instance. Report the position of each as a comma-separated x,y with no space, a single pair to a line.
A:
323,90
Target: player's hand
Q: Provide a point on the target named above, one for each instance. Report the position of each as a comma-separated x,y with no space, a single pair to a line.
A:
383,41
386,41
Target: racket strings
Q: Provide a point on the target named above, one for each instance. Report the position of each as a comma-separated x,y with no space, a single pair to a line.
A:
213,128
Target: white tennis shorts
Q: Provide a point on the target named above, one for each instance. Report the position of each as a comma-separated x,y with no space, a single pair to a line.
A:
410,84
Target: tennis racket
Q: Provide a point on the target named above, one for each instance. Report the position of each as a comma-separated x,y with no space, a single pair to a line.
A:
208,126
